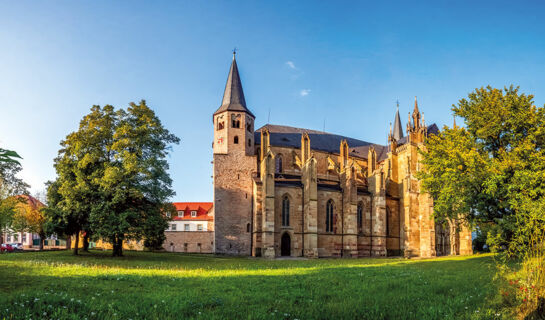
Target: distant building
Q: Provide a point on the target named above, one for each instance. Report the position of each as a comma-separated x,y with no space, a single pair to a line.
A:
191,229
27,239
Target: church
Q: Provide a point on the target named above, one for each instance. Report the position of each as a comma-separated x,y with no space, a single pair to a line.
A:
285,191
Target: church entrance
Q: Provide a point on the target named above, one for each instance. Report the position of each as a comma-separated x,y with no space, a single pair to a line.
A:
285,247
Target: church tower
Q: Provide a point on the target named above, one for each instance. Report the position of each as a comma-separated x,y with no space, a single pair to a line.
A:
234,163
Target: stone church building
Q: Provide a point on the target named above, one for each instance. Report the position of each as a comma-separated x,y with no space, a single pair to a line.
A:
284,191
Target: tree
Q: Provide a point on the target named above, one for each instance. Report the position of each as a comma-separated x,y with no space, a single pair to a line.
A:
9,156
10,186
79,166
136,185
29,217
56,221
113,177
493,170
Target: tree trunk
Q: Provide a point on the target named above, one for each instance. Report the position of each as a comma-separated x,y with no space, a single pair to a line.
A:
117,247
76,245
86,242
68,242
42,243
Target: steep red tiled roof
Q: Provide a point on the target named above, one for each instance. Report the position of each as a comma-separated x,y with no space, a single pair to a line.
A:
204,210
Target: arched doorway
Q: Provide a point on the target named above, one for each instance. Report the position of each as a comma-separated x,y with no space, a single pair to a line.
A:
285,248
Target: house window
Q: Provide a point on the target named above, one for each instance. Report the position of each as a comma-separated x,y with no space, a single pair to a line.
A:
193,214
186,227
8,238
181,214
168,215
199,227
360,217
235,141
278,168
285,211
173,227
329,217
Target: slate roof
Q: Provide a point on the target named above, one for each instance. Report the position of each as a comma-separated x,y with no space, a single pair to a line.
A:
398,131
284,136
233,96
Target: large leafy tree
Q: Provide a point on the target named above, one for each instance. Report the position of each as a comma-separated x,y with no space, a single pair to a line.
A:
10,186
136,184
113,177
80,165
493,170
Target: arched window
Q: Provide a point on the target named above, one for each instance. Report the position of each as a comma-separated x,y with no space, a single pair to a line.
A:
236,140
235,120
360,217
220,125
248,227
285,211
249,142
278,168
249,127
329,216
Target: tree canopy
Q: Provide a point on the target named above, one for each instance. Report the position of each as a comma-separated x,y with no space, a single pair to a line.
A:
493,169
113,180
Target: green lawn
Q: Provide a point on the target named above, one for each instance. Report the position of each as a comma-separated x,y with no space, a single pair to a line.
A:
142,285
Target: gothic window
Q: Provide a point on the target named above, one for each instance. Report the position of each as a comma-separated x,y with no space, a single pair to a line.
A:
329,217
235,141
278,167
285,211
249,142
360,217
249,127
220,125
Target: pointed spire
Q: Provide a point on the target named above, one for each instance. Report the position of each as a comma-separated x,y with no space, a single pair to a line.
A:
233,97
454,124
415,105
398,132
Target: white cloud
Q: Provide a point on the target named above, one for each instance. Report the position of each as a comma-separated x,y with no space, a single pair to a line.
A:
291,65
304,92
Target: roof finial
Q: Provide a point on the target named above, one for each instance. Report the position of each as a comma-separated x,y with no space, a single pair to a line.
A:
397,102
234,52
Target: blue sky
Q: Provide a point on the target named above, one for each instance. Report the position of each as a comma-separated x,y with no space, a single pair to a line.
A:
303,61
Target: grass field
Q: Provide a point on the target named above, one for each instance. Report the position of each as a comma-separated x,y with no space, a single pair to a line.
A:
57,285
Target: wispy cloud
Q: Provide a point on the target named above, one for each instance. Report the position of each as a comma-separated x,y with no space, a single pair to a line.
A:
304,92
291,65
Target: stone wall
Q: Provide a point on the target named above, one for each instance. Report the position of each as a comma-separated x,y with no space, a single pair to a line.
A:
190,242
234,167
